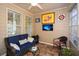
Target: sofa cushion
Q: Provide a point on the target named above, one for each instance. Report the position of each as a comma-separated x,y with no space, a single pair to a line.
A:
23,41
23,36
14,39
26,46
23,48
15,46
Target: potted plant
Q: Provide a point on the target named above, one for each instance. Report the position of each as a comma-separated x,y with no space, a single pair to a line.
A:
67,52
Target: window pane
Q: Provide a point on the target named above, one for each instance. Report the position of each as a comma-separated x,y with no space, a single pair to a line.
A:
18,30
74,35
10,16
75,20
74,12
73,30
10,23
17,18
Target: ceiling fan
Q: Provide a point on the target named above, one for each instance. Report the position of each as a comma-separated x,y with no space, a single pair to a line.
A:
35,4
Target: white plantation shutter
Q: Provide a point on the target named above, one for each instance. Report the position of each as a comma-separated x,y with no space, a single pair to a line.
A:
74,25
13,23
28,25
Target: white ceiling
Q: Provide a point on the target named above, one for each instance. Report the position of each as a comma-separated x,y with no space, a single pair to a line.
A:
45,6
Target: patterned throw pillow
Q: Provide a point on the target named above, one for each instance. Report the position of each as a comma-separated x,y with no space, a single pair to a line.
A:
15,46
30,39
23,41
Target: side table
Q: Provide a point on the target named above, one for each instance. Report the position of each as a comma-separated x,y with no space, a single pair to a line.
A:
35,50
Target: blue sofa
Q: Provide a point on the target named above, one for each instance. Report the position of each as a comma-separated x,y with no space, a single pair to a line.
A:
23,48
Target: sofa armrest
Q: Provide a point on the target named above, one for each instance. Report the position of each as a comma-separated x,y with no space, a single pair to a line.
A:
13,50
10,50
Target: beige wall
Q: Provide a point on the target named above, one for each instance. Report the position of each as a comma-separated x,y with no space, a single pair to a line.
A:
2,29
3,22
60,28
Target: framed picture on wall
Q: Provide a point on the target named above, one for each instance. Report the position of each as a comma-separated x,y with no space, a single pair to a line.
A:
61,17
37,20
47,27
48,18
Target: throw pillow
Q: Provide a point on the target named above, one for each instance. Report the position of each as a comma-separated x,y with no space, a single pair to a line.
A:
15,46
23,41
30,39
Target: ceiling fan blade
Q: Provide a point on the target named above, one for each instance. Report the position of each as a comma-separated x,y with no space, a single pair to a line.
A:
30,7
39,6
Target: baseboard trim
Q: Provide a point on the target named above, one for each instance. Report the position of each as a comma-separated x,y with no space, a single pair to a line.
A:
46,43
4,54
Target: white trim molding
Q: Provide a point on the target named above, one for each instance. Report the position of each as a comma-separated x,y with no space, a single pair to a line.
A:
46,43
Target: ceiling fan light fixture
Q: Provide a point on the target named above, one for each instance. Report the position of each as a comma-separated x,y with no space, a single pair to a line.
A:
33,4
